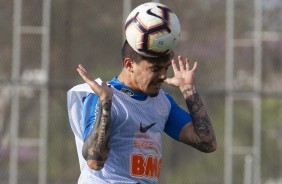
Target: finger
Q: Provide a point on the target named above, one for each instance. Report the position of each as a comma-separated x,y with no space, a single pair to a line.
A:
84,75
83,71
93,84
174,66
181,63
195,66
187,62
80,66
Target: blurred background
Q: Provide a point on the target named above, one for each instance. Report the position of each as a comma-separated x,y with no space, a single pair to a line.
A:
238,44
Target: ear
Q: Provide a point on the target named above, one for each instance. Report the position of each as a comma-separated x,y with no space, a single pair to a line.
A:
128,64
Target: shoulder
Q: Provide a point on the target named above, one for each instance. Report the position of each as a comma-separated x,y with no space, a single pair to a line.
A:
169,98
81,88
84,87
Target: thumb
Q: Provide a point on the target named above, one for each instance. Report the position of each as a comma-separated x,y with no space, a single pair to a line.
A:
168,81
171,81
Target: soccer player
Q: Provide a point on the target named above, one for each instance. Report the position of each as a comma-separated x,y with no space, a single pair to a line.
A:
118,125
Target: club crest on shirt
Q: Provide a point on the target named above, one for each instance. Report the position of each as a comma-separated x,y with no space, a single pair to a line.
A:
127,91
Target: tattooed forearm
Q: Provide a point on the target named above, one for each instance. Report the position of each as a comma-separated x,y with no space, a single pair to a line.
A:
204,146
205,138
96,147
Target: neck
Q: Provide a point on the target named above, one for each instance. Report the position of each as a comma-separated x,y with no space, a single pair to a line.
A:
125,78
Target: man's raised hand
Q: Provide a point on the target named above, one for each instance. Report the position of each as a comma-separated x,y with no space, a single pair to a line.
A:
103,91
183,75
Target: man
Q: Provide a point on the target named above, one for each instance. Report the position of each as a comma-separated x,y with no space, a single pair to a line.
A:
123,120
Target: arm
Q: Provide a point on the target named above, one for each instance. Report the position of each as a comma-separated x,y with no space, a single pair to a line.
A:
199,133
96,147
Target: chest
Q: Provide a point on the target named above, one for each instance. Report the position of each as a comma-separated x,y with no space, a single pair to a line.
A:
132,116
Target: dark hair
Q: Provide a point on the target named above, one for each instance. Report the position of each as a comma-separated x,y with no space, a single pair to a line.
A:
128,52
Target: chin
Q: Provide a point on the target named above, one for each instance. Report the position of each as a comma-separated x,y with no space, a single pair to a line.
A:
154,94
153,91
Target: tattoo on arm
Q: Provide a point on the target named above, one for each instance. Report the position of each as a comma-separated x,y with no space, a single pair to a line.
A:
97,145
205,138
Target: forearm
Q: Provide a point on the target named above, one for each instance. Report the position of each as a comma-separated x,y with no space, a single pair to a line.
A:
203,137
96,147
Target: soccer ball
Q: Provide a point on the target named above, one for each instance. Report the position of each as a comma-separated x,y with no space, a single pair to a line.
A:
152,29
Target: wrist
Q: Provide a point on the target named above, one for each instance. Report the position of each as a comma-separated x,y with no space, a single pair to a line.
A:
105,97
188,90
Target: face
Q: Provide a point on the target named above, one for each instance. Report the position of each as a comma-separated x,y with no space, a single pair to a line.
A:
148,77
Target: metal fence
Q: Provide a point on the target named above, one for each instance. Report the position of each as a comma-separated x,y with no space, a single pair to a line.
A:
238,46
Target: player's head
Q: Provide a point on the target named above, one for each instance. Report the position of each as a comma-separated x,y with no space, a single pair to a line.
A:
128,52
145,74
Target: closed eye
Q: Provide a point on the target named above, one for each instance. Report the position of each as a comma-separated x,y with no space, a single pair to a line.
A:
156,69
159,68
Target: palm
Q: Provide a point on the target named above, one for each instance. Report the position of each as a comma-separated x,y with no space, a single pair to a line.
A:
103,90
182,75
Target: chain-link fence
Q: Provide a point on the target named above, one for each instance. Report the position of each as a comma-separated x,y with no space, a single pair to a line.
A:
238,46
